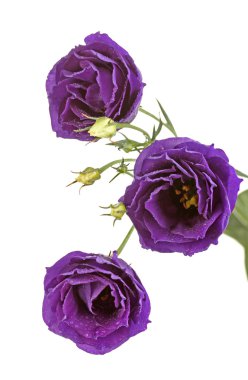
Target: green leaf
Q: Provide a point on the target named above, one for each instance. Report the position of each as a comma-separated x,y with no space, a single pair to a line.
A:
241,209
237,231
153,133
241,174
166,123
238,224
246,261
169,124
156,132
158,129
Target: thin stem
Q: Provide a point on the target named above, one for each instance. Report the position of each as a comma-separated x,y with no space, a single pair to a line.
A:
110,164
131,126
130,174
127,237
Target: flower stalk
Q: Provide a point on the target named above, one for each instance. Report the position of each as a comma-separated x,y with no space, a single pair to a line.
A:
138,129
110,164
125,240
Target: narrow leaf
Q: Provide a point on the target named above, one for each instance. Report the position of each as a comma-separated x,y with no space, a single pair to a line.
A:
153,133
159,128
169,124
241,174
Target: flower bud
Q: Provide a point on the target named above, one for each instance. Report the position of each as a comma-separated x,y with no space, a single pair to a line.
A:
123,168
103,127
87,177
117,210
127,145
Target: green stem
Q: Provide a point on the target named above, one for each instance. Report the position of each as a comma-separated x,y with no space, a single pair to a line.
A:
130,126
130,174
121,247
110,164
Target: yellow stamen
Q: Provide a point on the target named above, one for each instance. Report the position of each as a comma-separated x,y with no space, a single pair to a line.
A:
186,188
191,202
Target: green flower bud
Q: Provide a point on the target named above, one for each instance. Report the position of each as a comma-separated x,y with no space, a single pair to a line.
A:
103,127
127,145
87,177
123,168
118,210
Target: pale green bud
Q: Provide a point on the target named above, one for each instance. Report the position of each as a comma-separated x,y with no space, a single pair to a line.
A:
88,176
103,127
118,210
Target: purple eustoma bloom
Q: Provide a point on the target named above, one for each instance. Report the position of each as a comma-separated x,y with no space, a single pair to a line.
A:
93,80
182,195
96,301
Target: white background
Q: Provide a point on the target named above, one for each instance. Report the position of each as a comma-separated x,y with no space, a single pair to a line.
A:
193,56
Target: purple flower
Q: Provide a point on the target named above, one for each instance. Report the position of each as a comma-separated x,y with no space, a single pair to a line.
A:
94,80
96,301
182,195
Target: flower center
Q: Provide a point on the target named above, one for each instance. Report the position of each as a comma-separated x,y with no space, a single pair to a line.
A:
186,193
104,302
